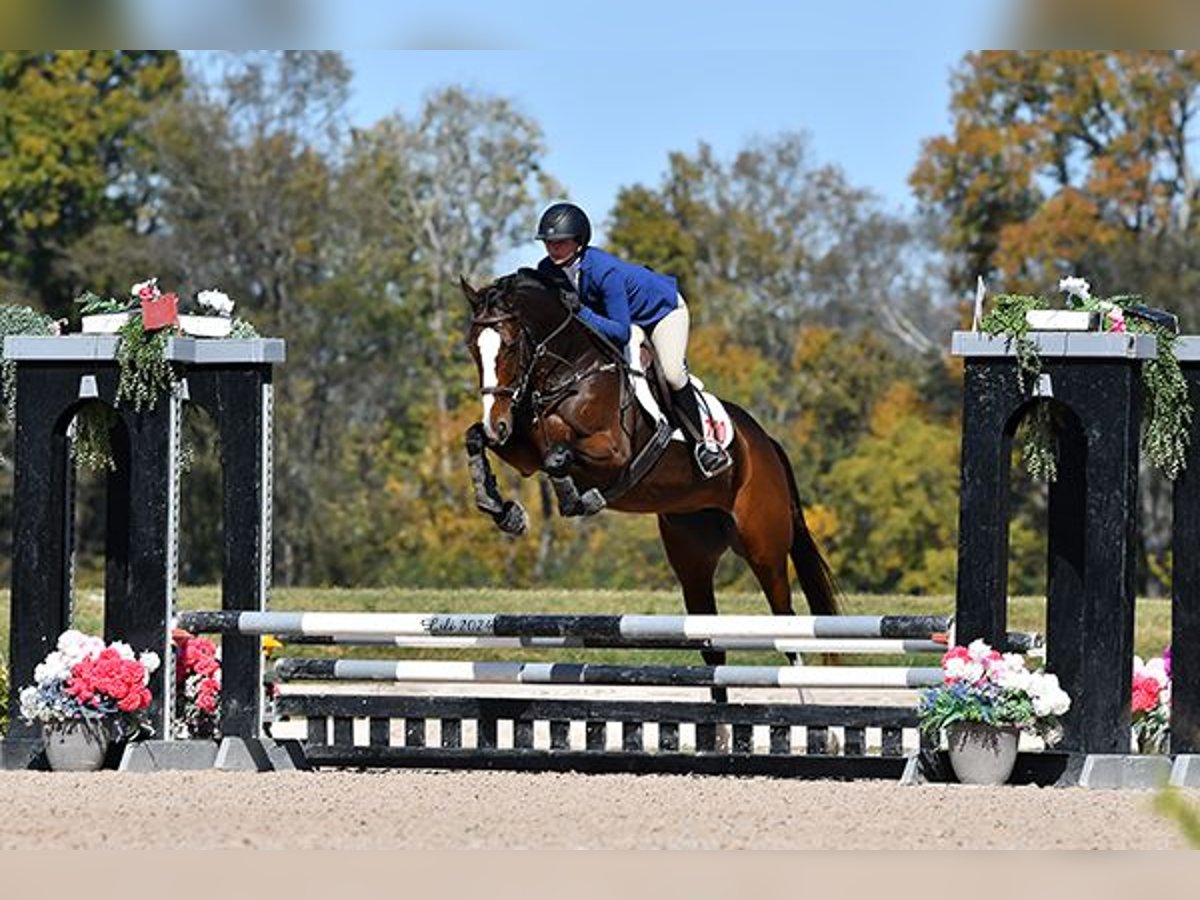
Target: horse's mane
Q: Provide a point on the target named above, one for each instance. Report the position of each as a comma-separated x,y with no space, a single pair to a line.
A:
509,292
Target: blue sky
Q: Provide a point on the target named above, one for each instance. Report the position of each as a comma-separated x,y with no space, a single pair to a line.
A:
610,118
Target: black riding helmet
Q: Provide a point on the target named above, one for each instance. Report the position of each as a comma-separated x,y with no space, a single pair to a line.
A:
563,221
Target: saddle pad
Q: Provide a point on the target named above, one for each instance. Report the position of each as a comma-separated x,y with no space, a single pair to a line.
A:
718,427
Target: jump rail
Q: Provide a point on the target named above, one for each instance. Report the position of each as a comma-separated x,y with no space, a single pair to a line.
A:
781,645
450,672
738,632
613,627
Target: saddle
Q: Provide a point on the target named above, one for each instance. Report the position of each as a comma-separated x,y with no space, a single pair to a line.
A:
718,426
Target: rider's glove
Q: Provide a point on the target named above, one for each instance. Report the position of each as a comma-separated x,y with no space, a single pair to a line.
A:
571,301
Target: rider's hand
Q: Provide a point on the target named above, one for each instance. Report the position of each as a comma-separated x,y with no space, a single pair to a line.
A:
571,301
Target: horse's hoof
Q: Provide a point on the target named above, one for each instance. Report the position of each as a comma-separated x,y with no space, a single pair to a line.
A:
513,519
591,502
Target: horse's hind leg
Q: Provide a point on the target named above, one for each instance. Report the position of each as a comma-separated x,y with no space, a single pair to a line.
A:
694,543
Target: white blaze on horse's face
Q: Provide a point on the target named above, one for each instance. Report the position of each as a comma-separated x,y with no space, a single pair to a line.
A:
488,343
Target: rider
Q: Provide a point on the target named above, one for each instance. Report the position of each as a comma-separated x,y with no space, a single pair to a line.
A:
618,297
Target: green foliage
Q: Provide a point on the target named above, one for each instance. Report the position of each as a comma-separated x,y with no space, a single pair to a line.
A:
74,157
944,706
91,447
1007,317
895,502
17,320
1168,407
146,373
91,304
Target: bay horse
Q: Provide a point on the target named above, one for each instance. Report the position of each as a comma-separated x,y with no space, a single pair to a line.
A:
557,399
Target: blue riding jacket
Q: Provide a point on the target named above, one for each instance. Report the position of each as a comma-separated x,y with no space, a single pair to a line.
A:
616,293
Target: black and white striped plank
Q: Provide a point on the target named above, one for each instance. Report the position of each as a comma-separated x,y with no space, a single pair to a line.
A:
780,645
611,627
455,672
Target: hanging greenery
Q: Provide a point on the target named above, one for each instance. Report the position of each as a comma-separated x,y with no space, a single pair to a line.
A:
1168,412
18,320
145,371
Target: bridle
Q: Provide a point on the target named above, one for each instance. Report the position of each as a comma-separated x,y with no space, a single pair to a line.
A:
533,351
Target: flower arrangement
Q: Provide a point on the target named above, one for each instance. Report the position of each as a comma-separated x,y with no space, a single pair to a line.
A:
1168,411
980,684
197,685
147,321
1151,703
84,679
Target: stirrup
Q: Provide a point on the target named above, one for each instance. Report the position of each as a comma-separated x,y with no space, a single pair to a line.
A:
711,459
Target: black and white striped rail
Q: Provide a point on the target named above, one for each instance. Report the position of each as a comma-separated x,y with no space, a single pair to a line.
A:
785,634
781,645
451,672
617,628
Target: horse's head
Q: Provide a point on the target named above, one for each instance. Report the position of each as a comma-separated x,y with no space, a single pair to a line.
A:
512,322
500,345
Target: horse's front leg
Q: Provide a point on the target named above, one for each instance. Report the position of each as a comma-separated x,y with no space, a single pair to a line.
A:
509,515
570,501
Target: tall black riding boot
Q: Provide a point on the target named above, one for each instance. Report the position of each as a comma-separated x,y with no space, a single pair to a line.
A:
711,457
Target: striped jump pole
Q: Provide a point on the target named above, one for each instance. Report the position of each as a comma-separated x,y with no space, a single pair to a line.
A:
617,628
794,645
445,672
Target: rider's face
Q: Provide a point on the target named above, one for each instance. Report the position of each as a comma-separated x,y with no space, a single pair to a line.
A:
561,252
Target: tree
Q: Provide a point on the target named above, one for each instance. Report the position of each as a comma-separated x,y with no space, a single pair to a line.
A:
73,159
464,178
1074,162
769,241
248,157
1070,161
894,502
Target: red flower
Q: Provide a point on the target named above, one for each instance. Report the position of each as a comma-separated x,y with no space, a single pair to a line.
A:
110,677
1146,692
957,652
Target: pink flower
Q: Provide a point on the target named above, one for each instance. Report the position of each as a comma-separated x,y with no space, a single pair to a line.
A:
1146,691
1116,320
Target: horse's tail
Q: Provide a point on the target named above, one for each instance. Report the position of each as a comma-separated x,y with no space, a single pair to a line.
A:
816,578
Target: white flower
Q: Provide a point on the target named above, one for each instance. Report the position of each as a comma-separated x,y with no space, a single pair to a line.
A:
29,703
77,646
217,301
55,667
1049,699
979,650
969,671
1010,673
150,662
123,649
1076,287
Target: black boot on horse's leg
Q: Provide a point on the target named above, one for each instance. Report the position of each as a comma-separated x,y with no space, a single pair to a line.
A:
509,515
711,458
570,501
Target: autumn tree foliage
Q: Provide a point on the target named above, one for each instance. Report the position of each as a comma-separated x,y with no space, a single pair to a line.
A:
1069,161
